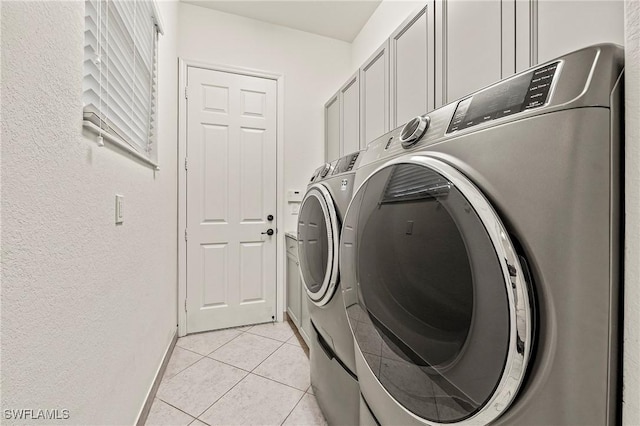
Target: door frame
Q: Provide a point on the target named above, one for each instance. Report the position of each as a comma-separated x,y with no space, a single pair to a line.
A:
183,65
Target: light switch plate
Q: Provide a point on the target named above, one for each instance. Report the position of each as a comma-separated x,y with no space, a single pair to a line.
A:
119,209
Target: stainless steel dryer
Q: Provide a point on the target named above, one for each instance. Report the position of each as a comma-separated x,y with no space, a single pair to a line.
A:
480,254
333,376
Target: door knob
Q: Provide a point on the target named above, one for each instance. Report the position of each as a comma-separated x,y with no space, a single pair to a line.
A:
270,217
268,232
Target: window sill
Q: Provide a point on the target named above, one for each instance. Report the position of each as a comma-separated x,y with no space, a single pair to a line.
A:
113,140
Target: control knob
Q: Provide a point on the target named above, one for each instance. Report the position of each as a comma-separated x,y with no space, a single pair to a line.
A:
325,170
413,131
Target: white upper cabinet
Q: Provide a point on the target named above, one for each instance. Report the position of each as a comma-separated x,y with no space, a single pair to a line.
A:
350,116
564,26
332,128
476,47
374,96
412,48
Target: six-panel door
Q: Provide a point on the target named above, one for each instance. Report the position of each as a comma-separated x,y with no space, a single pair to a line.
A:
231,191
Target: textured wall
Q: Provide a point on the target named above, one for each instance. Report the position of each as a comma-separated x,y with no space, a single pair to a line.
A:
631,394
88,308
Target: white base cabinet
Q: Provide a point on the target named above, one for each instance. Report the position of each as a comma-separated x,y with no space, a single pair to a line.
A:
297,308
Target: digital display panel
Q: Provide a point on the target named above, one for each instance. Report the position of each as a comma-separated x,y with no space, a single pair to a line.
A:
526,91
345,164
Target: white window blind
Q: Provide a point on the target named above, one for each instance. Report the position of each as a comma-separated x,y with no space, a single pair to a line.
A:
120,72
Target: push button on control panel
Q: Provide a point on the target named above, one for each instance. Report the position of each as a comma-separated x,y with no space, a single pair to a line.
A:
540,86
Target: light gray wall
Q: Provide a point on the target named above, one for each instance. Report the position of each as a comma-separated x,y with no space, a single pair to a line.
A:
88,308
631,393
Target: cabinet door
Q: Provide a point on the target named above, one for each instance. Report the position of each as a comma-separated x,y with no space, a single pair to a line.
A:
350,116
470,51
293,287
305,320
332,129
374,96
565,26
412,67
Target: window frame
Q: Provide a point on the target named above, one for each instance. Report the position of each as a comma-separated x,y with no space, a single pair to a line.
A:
101,127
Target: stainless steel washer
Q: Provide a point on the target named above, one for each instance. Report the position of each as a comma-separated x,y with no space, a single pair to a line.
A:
480,254
333,375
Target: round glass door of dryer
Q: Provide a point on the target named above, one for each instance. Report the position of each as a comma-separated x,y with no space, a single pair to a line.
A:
441,309
318,233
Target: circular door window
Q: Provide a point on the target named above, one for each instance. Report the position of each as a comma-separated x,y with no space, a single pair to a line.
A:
442,311
318,244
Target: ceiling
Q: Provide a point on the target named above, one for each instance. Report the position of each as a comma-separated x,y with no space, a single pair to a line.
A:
339,19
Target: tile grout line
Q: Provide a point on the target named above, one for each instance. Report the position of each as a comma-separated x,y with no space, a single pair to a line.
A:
227,364
225,343
267,337
280,383
163,376
273,380
229,390
268,356
282,343
197,353
173,406
292,410
190,350
201,358
239,381
260,363
212,359
222,396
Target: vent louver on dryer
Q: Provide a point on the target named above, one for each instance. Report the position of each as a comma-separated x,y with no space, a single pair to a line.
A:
408,182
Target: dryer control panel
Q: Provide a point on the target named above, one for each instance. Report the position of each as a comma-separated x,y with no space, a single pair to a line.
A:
519,93
584,78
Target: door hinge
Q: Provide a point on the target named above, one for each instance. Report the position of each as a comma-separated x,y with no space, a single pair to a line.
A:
185,305
185,234
186,92
185,163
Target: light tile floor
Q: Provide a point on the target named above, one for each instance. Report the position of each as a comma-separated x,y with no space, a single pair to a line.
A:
257,375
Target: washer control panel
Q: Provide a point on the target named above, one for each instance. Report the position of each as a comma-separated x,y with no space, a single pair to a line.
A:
346,163
341,165
522,92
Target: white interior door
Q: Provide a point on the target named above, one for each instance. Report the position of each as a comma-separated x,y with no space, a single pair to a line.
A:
231,191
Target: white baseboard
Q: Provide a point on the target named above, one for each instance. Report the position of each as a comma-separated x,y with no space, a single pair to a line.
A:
146,407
